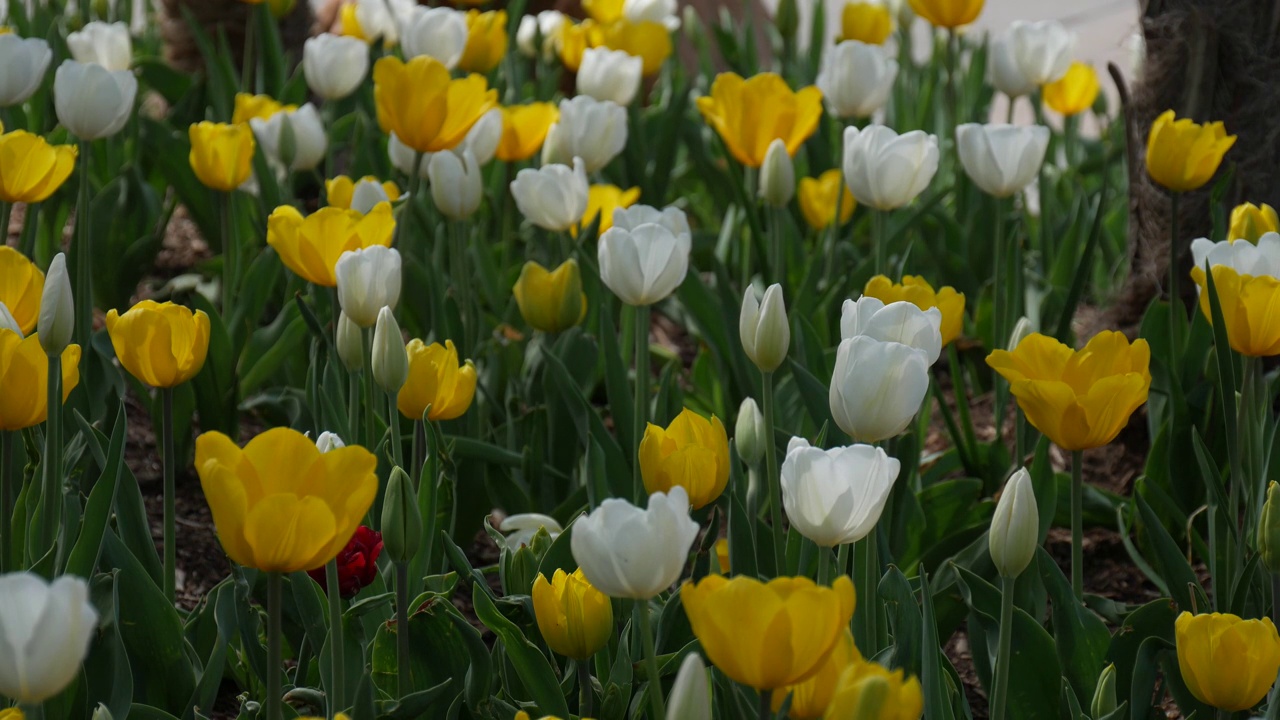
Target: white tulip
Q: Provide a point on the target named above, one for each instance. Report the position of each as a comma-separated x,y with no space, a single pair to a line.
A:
45,630
553,197
389,359
610,75
106,44
836,496
645,265
877,387
8,322
483,137
656,11
327,441
543,28
91,101
334,65
521,528
856,79
748,432
1243,257
1043,50
456,185
766,334
23,63
777,175
57,308
367,194
350,344
626,552
139,18
383,19
307,147
1002,159
899,322
402,157
1015,527
1005,73
438,32
1021,330
690,697
594,130
885,170
368,280
671,218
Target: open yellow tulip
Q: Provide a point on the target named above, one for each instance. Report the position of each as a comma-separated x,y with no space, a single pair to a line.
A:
24,375
1183,155
917,291
21,284
751,114
311,246
602,200
574,618
899,697
1227,662
31,169
161,344
948,13
1248,308
436,380
691,452
427,110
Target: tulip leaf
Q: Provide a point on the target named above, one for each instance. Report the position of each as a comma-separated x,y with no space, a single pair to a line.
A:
479,679
108,677
937,697
84,555
1165,555
1080,636
1044,483
415,704
618,389
437,650
591,428
813,393
904,620
530,664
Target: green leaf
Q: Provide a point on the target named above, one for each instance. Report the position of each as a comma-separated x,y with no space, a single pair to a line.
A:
1166,557
84,555
937,698
479,681
438,651
530,664
1081,637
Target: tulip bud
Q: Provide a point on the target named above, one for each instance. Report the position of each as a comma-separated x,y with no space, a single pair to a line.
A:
401,521
294,139
690,698
49,626
7,322
350,345
766,336
787,19
91,101
107,44
748,433
102,713
856,79
1020,331
390,361
1015,529
519,567
329,441
25,61
1250,222
57,309
1269,530
455,184
334,65
368,280
777,175
1104,695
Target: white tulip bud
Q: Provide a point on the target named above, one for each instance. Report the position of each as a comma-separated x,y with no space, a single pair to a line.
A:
1015,528
777,175
835,497
690,697
107,44
543,29
328,441
292,139
102,713
456,185
748,433
57,308
334,65
1002,159
766,334
350,344
626,552
49,627
591,129
865,367
390,360
438,32
856,79
368,280
91,101
23,63
610,75
885,170
521,527
553,197
7,321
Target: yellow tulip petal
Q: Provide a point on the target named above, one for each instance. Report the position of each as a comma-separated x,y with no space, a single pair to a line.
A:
286,532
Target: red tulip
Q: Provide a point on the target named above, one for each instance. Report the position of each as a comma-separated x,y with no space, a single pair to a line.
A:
357,563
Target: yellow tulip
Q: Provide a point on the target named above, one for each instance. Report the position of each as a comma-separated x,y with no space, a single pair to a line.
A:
427,110
21,284
649,41
280,505
5,30
340,190
817,198
809,699
262,107
574,618
573,41
24,375
865,22
691,452
1080,399
1227,662
768,636
436,380
349,23
551,301
896,697
524,128
602,200
1247,309
1183,155
603,11
722,557
311,246
161,344
1074,92
1250,222
221,154
486,41
947,13
31,169
751,114
917,291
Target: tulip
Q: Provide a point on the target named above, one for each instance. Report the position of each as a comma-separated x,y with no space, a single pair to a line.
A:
524,129
327,441
1250,222
486,41
671,218
1269,530
750,114
23,63
295,139
21,285
401,518
777,176
24,373
1003,69
91,101
436,381
280,505
575,619
1015,527
865,22
610,75
1227,662
551,301
660,12
105,44
161,344
543,28
690,697
767,635
948,14
357,563
1042,50
810,698
835,497
350,344
594,130
425,108
864,368
856,79
368,280
886,170
374,20
248,107
1247,279
57,308
626,552
311,246
221,154
47,630
334,66
1104,700
1001,159
483,137
817,198
897,322
522,527
390,362
645,265
692,452
7,322
1079,399
869,691
361,195
748,433
31,169
917,291
438,32
763,327
403,157
456,185
1074,93
553,197
602,202
1183,155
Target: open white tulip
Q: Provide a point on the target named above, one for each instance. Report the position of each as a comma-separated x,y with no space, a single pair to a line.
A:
334,65
766,334
553,197
645,265
45,630
671,218
1005,73
836,496
594,130
540,32
1015,527
1243,257
777,175
293,140
57,308
610,75
23,63
106,44
900,322
91,101
368,280
1043,50
521,527
856,79
662,12
456,185
438,32
877,387
626,552
885,170
1002,159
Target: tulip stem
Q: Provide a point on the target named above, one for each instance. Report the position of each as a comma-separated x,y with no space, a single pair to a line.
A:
1275,598
999,337
6,496
775,483
1175,326
656,703
81,256
52,457
641,414
824,565
229,252
371,438
867,568
274,642
766,704
393,424
877,239
6,209
337,655
402,628
1004,657
1077,521
170,495
584,688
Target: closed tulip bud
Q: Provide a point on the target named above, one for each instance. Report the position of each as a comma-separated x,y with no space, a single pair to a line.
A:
690,697
1002,159
49,627
591,129
748,433
643,265
46,168
835,497
750,114
856,79
864,368
23,63
1003,69
948,13
486,41
106,44
221,154
1250,222
334,65
363,195
610,75
99,713
327,441
1074,92
777,176
763,326
390,362
293,139
401,521
868,22
368,280
57,308
1042,50
1021,330
574,618
551,301
7,322
626,552
885,170
456,185
786,18
350,344
1269,530
438,385
692,453
553,197
538,33
21,285
1015,527
869,691
91,101
1183,155
161,344
438,32
899,322
1104,694
1227,662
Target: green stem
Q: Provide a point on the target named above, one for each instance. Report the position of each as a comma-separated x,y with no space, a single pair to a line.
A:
585,695
766,704
833,230
867,569
371,392
877,239
824,565
415,187
1005,655
419,451
52,457
778,264
404,682
952,104
337,656
170,495
393,424
30,223
6,496
999,336
82,256
641,318
274,645
229,253
32,711
1077,524
651,662
461,271
775,482
960,387
248,68
1175,299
